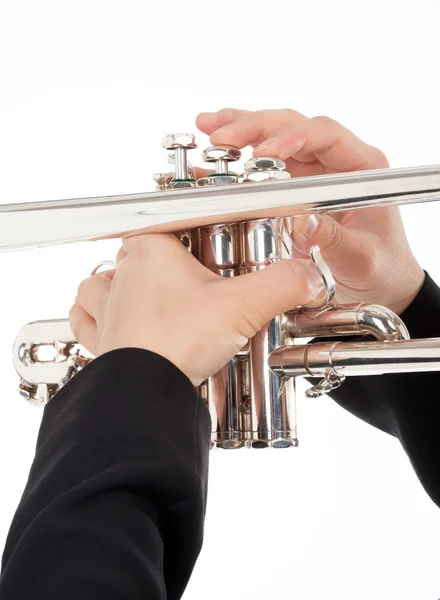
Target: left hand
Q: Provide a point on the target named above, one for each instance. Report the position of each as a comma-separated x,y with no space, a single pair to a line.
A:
162,299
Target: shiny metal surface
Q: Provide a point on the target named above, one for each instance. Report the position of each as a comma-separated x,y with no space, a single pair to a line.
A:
326,274
222,249
221,166
41,356
273,402
234,225
224,396
217,180
180,143
181,163
179,140
349,319
36,224
178,184
264,163
224,393
221,156
163,180
362,358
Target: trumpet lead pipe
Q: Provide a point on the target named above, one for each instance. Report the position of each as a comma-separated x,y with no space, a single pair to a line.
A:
363,358
36,224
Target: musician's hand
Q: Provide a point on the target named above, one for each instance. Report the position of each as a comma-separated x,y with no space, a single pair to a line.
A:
162,299
367,249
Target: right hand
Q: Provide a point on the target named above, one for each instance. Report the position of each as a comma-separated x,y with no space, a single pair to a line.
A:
162,299
366,249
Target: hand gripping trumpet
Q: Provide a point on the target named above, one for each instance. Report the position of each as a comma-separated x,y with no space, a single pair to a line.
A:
235,224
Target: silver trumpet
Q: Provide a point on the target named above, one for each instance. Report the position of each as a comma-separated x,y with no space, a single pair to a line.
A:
234,224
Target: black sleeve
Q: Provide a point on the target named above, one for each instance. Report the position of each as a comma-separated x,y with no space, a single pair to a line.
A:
406,405
115,502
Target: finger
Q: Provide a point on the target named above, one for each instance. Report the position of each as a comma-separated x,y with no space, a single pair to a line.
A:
154,243
328,141
342,247
199,172
93,293
306,169
122,253
208,122
84,328
276,289
165,256
253,128
284,144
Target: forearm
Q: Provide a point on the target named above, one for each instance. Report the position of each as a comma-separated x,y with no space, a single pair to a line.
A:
115,502
406,405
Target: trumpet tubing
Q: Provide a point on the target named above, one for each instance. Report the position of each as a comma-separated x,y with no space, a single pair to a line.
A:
234,224
36,224
362,358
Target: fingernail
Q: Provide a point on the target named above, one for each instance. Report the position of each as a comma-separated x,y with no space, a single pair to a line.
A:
309,226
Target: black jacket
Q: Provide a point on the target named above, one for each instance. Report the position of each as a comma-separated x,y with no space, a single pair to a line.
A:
115,503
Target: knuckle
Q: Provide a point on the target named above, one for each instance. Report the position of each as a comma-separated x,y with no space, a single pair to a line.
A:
103,278
380,160
121,255
290,112
75,324
325,121
285,117
81,333
326,129
76,330
102,284
329,235
84,288
72,316
228,113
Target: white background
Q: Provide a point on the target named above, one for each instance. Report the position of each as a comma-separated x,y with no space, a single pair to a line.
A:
88,89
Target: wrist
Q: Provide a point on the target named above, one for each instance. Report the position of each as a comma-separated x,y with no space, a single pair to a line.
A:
413,285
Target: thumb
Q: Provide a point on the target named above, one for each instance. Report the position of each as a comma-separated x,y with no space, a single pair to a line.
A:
340,246
278,288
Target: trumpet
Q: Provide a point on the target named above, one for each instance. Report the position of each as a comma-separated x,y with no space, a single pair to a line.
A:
235,224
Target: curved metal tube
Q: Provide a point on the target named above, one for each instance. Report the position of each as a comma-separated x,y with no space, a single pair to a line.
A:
347,319
36,224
